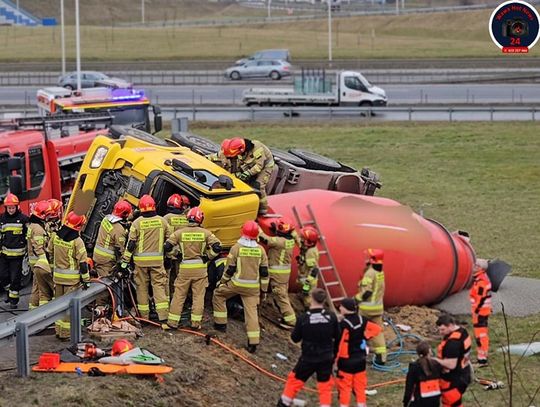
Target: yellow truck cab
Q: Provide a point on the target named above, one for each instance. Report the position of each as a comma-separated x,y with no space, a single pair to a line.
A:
128,163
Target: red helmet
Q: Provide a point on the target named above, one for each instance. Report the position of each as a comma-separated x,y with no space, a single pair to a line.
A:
374,256
185,201
74,221
310,235
250,230
40,209
122,209
55,209
121,346
147,203
284,226
11,200
233,147
195,215
175,201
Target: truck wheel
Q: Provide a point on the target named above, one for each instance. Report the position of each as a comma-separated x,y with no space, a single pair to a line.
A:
275,75
197,143
287,157
365,103
316,161
235,76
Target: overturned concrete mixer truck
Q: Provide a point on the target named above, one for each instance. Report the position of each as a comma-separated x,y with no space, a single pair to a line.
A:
310,189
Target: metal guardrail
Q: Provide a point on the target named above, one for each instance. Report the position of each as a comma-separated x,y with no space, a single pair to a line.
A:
217,77
394,113
31,322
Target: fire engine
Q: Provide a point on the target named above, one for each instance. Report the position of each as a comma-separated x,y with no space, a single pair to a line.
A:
40,157
128,106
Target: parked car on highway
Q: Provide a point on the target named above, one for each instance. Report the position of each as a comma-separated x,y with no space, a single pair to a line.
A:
92,79
282,54
275,69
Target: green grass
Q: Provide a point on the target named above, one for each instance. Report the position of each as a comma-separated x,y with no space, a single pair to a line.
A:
454,35
480,177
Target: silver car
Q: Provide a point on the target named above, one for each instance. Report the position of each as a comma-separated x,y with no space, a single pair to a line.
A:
91,79
274,69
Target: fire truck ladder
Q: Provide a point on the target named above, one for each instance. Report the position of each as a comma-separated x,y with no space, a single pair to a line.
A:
73,119
328,274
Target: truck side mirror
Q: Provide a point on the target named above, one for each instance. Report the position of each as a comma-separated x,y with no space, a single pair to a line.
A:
14,164
16,185
158,119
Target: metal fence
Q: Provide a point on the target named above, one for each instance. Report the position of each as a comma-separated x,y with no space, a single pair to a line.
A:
400,113
33,321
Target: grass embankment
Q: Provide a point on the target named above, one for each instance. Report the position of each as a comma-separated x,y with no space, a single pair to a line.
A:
440,35
481,177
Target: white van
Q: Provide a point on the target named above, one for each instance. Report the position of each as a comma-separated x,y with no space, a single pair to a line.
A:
273,54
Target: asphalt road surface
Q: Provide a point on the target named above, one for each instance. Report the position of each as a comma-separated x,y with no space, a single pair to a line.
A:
397,94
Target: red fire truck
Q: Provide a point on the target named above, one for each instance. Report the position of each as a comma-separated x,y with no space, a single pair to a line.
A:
40,157
128,106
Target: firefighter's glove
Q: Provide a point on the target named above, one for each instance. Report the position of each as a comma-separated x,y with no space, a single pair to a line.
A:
244,176
124,266
306,287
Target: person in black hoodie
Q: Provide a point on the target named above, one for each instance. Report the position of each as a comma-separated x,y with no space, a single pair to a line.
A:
351,358
13,235
318,329
422,383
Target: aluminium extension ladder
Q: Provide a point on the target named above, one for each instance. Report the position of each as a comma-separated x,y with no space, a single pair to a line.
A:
328,274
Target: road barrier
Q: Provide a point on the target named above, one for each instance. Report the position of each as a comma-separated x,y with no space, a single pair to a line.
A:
31,322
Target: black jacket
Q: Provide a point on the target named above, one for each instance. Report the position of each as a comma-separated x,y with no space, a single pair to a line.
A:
356,360
318,329
13,229
415,376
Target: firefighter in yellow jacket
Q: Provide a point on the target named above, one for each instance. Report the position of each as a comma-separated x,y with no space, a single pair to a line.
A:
246,274
111,242
177,209
250,160
37,239
197,246
70,268
147,237
308,262
370,298
280,251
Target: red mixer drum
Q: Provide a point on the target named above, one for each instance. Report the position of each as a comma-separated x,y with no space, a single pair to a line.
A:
423,261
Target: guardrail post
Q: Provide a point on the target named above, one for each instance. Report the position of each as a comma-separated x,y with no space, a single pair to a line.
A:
21,342
252,114
491,113
533,111
75,320
450,114
410,113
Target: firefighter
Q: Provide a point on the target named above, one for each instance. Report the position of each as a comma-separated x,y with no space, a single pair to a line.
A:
351,358
13,226
453,354
54,215
70,268
246,274
197,246
318,330
280,251
177,209
370,298
480,295
37,239
111,242
145,243
308,262
422,387
250,160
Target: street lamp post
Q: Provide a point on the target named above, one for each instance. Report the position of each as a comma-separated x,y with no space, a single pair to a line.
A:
329,31
142,12
78,44
63,37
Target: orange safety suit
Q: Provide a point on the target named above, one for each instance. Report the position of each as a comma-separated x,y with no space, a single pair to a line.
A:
480,295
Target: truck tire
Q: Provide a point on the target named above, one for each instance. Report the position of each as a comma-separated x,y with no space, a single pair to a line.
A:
235,76
316,161
274,75
197,143
287,157
365,103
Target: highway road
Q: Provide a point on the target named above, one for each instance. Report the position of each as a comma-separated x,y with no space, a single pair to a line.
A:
397,94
